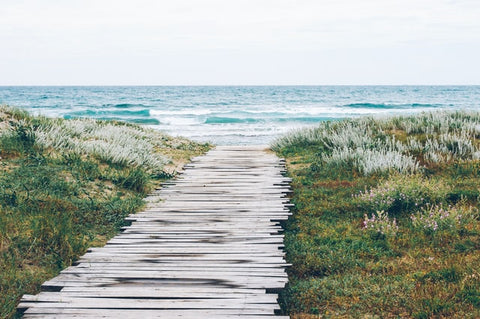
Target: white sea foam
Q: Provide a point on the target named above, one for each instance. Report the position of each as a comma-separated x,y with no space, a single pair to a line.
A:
180,121
187,111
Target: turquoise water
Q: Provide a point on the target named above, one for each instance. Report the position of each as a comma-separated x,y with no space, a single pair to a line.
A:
235,114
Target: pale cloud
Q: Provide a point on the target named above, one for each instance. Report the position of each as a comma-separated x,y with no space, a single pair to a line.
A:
162,38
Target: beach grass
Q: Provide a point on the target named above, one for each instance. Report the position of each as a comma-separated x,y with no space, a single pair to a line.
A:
386,221
66,185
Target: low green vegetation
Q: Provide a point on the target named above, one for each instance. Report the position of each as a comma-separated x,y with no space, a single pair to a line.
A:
66,185
386,220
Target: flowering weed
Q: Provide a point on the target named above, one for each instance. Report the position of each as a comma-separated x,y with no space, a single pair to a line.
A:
380,223
435,218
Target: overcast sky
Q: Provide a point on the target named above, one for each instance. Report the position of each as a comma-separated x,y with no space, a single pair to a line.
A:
221,42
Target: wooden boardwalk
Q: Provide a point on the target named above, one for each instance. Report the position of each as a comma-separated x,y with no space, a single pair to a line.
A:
211,248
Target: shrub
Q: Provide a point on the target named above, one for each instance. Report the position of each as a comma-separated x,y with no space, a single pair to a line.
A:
404,193
369,161
115,143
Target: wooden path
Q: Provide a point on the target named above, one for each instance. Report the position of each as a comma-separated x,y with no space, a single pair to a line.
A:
212,248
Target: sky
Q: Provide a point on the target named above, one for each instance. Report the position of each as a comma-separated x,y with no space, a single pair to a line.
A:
241,42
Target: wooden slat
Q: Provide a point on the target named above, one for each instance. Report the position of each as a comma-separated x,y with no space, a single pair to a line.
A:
147,313
208,245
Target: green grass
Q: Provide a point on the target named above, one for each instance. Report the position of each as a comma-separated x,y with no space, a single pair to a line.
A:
60,195
372,237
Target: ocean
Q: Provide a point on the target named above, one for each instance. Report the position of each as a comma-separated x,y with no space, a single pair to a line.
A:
235,114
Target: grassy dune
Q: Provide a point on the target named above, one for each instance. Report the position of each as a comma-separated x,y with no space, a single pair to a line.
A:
66,185
386,222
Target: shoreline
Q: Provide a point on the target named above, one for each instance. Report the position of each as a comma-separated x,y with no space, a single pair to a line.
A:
233,115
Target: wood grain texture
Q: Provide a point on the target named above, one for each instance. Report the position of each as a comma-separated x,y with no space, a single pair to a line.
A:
209,245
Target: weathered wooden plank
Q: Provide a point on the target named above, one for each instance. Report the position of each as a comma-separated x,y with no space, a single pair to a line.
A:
163,298
212,231
197,268
147,313
154,273
200,237
180,291
163,258
135,314
146,283
164,294
188,240
111,303
201,249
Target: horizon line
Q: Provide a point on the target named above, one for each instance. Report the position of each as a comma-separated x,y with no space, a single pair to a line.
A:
218,85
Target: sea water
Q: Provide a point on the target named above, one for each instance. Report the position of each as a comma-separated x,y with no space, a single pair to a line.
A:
235,114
